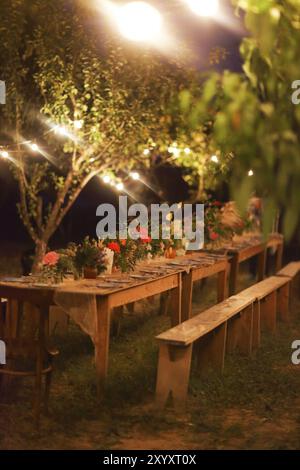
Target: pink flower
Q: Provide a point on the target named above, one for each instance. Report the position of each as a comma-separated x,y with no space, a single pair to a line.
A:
213,236
144,235
51,258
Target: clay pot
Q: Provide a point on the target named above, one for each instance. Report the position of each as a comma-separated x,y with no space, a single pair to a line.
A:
90,273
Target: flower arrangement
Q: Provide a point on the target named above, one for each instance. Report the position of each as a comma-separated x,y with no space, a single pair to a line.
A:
90,258
56,265
127,252
214,229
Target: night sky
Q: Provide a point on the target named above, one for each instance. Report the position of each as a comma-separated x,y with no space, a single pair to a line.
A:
197,35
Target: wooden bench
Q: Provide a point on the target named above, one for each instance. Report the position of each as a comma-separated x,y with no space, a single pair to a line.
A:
229,322
234,324
271,299
290,270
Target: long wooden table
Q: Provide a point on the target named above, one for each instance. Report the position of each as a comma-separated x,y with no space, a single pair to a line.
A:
259,249
178,282
173,283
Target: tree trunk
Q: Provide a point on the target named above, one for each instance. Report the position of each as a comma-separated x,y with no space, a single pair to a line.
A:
40,251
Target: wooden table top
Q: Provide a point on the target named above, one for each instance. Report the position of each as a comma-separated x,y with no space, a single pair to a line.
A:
117,282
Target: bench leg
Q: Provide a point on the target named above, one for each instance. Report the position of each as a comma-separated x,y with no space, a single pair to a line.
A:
268,312
256,338
211,349
283,303
240,332
173,374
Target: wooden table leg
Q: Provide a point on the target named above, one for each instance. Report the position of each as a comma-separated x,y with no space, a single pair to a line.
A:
262,257
234,271
222,285
187,294
102,342
164,303
279,256
176,302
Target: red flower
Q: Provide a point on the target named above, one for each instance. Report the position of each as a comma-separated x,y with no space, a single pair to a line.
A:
114,246
213,236
123,242
51,258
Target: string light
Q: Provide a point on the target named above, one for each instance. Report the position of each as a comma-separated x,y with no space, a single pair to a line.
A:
187,151
139,21
120,186
250,173
135,175
215,159
146,152
106,179
4,154
61,130
174,150
78,124
34,147
207,8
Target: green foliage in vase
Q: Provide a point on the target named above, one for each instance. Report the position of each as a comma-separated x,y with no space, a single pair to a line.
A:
90,254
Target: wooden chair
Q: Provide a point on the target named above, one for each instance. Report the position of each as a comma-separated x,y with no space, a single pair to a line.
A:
27,353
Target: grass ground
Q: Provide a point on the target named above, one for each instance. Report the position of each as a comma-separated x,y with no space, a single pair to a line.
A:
254,405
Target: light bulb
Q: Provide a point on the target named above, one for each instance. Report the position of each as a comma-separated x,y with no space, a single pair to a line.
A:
139,21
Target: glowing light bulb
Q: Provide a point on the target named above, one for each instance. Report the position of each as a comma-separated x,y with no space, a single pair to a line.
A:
146,152
4,154
215,159
139,21
78,124
250,173
34,147
120,186
61,130
187,151
207,8
106,179
135,175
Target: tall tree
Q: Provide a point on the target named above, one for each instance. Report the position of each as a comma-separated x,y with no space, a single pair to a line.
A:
61,72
